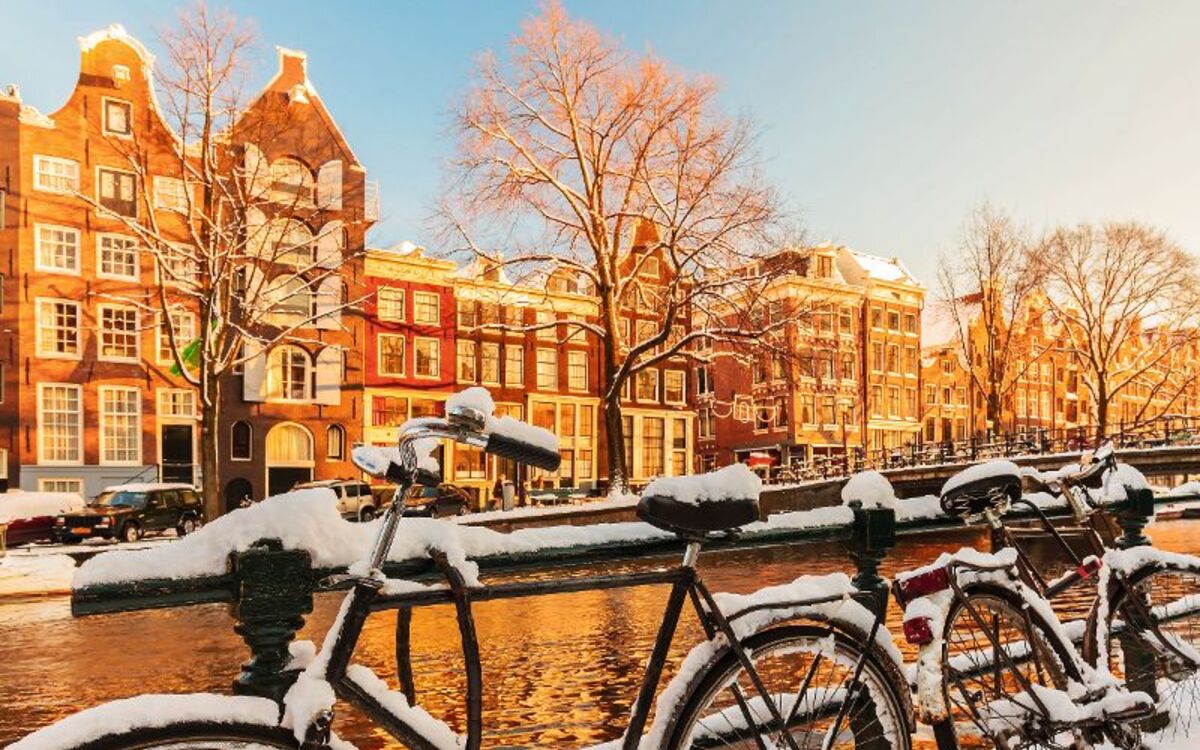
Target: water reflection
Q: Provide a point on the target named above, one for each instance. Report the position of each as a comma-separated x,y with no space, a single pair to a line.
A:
559,671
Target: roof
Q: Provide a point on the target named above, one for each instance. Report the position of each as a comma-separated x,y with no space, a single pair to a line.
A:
883,269
939,327
148,487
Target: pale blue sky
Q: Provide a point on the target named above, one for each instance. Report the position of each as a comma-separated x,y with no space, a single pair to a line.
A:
882,123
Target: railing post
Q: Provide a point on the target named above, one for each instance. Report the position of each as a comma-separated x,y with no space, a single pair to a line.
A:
274,594
1133,514
874,533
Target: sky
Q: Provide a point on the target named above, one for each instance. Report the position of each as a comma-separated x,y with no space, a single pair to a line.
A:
881,123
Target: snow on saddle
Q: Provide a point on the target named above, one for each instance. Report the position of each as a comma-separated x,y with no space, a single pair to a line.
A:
698,505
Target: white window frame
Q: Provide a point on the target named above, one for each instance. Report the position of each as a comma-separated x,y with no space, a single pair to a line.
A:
44,483
37,323
176,194
37,249
379,337
40,161
163,340
483,349
553,383
682,386
573,356
104,102
100,331
249,424
437,308
402,299
463,358
516,379
137,262
341,444
108,212
436,358
137,422
657,390
276,391
163,400
41,456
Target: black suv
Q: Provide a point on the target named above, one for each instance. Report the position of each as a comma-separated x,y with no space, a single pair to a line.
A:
127,512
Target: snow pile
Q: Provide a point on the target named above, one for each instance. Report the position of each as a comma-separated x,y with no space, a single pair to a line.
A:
998,468
1124,477
17,505
1187,488
480,399
34,576
734,482
871,488
149,711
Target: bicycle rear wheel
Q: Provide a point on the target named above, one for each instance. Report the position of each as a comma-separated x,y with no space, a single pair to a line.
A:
807,670
1170,593
979,686
195,735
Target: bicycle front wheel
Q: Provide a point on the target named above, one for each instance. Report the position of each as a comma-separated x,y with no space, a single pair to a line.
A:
1152,621
808,672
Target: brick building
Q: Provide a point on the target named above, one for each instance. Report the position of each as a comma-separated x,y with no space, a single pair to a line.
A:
88,398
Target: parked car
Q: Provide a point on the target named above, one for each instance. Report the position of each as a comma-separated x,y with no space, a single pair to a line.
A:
29,516
437,502
354,499
129,511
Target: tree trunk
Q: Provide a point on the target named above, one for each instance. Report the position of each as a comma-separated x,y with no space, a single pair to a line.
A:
993,413
1101,412
618,472
210,420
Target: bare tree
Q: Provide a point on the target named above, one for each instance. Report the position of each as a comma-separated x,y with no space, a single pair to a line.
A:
987,286
1126,296
237,271
574,152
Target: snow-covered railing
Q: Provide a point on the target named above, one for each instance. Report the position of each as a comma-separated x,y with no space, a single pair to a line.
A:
267,561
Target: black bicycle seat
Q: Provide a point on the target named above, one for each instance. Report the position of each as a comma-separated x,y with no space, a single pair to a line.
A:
699,518
976,495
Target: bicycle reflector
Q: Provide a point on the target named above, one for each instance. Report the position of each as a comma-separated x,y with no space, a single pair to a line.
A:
918,631
922,584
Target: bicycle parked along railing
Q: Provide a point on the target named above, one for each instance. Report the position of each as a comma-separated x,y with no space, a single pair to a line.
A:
797,666
996,667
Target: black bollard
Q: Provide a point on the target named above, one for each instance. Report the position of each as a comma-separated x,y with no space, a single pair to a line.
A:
874,533
274,593
1132,515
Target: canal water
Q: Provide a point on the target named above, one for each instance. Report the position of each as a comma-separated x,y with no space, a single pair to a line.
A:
559,671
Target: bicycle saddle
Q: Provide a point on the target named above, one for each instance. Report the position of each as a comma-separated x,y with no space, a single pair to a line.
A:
980,487
692,519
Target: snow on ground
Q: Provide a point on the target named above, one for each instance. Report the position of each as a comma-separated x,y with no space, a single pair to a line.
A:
16,505
35,576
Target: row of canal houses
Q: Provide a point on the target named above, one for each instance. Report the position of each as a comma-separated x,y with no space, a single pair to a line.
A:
88,397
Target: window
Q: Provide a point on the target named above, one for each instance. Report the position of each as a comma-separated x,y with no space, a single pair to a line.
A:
57,248
876,357
893,401
389,304
651,268
543,415
335,442
586,421
391,354
61,485
469,462
577,371
877,317
467,371
544,318
566,420
673,388
646,385
428,354
704,382
117,191
183,323
118,333
489,364
240,440
291,182
388,411
176,402
426,308
58,329
910,323
652,445
467,314
290,374
177,264
296,299
679,431
118,117
547,369
514,365
54,175
627,434
60,423
910,402
170,194
583,463
893,321
120,425
707,423
847,366
117,256
893,358
845,321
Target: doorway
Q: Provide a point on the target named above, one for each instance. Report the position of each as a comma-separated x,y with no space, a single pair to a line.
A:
289,457
176,454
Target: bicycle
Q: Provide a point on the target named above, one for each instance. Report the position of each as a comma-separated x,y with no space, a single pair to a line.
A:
796,666
986,629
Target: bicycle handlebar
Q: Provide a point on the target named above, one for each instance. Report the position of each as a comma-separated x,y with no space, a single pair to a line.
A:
518,450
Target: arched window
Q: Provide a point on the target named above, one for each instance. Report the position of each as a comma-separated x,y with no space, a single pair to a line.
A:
289,444
335,442
296,298
287,241
290,374
240,441
291,182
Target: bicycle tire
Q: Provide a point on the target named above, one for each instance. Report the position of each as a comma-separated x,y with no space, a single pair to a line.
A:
989,595
882,676
196,735
1187,686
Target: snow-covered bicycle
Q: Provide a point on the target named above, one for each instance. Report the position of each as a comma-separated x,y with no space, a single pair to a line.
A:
995,662
797,666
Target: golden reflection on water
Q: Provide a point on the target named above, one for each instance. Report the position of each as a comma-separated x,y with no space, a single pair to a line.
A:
559,671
